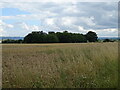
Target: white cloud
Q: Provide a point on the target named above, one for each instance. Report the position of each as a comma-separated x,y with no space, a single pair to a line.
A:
88,20
108,32
67,20
24,17
4,25
71,9
72,16
49,21
2,31
34,27
23,28
60,1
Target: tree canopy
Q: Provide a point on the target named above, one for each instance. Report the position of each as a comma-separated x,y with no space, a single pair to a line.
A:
60,37
91,36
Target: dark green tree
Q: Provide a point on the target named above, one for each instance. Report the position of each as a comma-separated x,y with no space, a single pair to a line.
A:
91,36
35,37
52,38
61,37
51,32
78,38
64,37
108,40
12,41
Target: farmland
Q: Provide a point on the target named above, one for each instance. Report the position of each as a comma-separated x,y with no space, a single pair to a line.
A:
78,65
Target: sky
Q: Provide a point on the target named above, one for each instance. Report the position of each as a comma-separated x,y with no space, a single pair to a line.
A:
21,18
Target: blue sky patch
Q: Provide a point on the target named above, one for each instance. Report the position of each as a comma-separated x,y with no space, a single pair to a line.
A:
13,12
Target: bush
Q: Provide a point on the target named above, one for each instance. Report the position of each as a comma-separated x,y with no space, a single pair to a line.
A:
108,40
12,41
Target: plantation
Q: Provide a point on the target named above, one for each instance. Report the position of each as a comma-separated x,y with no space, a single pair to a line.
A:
84,65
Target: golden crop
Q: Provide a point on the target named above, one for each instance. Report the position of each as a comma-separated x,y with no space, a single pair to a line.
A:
82,65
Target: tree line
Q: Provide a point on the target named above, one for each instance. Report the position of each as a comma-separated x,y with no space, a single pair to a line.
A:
60,37
56,37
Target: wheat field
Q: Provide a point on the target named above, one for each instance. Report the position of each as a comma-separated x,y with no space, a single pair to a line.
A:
80,65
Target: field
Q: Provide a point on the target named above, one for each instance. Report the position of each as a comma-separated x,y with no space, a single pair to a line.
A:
84,65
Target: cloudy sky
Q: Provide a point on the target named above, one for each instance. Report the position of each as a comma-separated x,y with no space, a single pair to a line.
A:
21,18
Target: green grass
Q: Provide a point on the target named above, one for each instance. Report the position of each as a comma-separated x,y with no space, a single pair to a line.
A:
86,65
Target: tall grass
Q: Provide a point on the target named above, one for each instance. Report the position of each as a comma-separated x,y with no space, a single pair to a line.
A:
90,65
